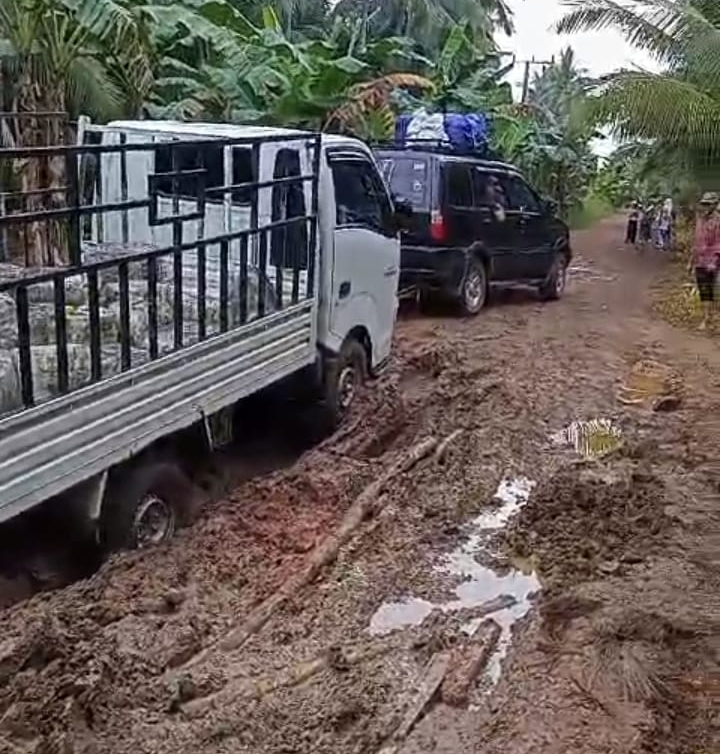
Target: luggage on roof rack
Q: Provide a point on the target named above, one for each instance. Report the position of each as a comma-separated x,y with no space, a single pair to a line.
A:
453,132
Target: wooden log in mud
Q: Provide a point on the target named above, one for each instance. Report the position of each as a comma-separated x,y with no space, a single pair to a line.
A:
468,661
365,505
419,699
249,688
442,448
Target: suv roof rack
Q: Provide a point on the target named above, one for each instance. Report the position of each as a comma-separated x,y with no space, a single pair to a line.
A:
487,157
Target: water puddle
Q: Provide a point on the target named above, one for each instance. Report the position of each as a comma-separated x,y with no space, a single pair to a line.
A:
503,595
591,439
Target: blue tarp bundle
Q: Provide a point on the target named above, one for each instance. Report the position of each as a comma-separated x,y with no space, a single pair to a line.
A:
461,132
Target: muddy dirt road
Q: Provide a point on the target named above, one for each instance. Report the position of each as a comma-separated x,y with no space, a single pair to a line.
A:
499,592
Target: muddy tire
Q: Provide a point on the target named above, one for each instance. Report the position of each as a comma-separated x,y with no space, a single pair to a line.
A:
344,375
554,287
145,505
474,289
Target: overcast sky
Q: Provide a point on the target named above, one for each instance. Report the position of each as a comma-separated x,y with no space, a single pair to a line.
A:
599,52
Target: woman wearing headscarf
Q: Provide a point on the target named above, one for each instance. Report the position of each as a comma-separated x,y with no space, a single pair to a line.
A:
665,221
706,253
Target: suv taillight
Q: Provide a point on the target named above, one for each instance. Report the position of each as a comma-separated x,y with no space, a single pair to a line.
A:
437,226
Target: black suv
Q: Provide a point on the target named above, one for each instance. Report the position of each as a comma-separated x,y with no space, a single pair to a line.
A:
473,224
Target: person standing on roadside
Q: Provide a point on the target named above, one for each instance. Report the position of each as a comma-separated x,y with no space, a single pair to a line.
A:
706,253
665,222
646,219
632,224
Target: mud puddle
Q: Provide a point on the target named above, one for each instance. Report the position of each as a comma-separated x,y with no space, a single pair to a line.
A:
590,439
502,591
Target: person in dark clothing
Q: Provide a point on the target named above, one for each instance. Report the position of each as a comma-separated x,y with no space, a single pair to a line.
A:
646,219
632,224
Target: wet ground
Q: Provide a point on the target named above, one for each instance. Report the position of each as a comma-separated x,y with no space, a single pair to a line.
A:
545,578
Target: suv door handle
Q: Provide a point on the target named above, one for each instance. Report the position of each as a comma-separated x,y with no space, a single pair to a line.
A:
390,271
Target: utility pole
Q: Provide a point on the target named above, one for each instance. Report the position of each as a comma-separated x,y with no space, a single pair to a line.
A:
365,22
526,75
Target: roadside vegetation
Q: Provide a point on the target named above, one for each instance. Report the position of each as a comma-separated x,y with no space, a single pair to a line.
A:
354,65
352,68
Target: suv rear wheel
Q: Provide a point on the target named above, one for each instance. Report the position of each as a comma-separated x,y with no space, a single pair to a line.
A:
554,287
473,293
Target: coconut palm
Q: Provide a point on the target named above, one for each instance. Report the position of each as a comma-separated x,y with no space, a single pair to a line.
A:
681,105
559,86
428,21
49,62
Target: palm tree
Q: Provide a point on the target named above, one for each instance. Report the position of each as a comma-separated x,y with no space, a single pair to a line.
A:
679,106
428,21
560,85
49,62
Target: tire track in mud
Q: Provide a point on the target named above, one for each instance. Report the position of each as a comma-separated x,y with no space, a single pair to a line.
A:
133,594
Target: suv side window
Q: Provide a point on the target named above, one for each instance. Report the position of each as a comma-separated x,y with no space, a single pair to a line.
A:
519,195
458,185
360,195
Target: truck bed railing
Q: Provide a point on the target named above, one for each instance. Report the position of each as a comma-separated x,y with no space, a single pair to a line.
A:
156,261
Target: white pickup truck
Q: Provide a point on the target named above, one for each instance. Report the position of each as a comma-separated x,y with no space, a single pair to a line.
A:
208,262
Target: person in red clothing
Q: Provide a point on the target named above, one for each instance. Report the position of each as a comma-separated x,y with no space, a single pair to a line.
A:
706,253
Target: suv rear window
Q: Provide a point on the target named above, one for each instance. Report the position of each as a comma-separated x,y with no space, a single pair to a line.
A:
408,177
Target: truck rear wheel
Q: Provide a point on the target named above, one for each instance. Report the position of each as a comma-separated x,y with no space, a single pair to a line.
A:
344,375
145,505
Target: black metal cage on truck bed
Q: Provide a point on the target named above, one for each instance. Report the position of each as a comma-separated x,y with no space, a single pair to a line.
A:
186,281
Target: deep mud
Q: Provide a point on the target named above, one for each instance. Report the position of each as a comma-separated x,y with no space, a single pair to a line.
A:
619,652
582,522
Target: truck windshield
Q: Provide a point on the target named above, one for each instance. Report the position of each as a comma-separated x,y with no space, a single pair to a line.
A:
407,177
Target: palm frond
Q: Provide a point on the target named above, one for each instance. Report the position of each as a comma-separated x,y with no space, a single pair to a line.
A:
638,24
677,33
644,105
374,95
90,91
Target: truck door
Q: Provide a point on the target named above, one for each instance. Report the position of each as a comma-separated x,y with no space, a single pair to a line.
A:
366,252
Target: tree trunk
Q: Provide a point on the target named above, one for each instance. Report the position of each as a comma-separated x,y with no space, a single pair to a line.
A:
30,235
58,196
44,243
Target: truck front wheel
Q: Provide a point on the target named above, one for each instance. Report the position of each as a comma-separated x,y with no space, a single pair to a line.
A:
344,375
144,505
